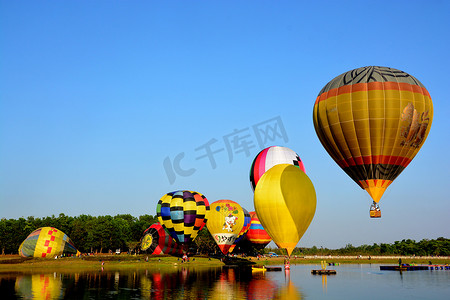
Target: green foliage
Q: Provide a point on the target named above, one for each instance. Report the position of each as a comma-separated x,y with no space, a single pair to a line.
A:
407,247
124,231
89,234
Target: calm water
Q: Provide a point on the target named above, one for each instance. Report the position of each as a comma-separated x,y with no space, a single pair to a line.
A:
351,282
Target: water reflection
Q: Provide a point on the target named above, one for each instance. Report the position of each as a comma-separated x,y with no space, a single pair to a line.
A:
170,283
39,286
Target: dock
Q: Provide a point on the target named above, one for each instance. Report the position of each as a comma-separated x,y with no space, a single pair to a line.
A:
323,272
269,269
414,268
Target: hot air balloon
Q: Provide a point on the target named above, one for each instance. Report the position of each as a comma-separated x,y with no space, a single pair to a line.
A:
225,221
372,121
256,233
270,157
183,214
285,202
46,242
243,231
157,241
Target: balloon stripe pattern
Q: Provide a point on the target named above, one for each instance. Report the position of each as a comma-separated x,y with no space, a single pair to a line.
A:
46,242
372,121
243,231
256,233
183,214
270,157
156,241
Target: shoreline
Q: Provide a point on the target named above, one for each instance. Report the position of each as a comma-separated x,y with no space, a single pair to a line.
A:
107,262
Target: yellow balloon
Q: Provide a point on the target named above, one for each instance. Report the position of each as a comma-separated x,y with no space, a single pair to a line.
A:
225,221
285,202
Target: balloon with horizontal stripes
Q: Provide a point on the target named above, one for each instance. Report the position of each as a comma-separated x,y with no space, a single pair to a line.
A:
372,121
183,213
256,234
156,240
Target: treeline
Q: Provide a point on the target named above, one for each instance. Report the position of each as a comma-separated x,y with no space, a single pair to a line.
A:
88,233
407,247
101,234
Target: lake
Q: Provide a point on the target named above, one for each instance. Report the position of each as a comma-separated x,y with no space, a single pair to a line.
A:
352,281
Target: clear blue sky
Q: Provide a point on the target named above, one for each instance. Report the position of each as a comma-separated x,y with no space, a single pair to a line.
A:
96,96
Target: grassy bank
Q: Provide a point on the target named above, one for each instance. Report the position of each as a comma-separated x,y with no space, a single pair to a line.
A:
15,263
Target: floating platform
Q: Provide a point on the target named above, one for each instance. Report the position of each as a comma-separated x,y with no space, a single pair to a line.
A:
414,268
323,272
274,269
439,267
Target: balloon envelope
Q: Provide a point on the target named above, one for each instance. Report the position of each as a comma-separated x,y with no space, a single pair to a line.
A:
372,121
225,222
256,233
243,231
156,240
46,242
270,157
183,214
285,202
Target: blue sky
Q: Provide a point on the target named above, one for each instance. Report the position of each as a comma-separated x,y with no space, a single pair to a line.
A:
95,97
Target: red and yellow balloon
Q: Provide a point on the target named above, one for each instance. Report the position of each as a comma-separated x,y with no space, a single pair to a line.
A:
372,121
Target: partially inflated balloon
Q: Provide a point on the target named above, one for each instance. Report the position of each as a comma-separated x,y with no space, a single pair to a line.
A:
372,121
226,220
46,242
157,241
285,202
243,231
256,233
183,214
270,157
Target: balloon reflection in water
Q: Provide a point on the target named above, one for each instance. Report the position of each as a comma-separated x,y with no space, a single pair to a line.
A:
39,286
226,287
261,288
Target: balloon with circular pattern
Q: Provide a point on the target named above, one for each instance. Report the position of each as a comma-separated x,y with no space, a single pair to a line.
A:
156,240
